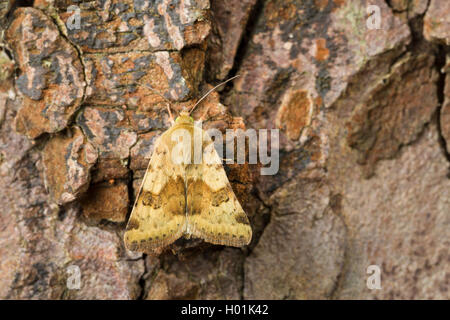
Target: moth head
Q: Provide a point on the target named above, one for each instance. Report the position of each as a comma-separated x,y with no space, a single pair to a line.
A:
184,117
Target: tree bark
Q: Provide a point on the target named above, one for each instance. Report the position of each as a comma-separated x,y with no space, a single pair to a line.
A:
363,113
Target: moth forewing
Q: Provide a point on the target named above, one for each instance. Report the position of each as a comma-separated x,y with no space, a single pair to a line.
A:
158,215
198,136
181,152
214,213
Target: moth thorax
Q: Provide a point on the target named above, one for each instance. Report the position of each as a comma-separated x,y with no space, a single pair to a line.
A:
184,117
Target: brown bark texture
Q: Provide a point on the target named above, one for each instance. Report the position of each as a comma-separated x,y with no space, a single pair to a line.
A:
364,121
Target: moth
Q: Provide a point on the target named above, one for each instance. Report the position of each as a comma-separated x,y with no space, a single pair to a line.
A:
185,198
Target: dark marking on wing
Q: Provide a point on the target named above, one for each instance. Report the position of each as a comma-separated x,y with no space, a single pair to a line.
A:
242,218
149,199
132,224
220,197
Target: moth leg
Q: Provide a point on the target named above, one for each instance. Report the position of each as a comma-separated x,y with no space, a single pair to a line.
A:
171,119
204,115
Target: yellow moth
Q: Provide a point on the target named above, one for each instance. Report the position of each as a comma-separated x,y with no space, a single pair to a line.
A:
180,196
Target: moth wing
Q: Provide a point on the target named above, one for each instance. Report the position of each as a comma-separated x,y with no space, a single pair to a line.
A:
158,217
214,212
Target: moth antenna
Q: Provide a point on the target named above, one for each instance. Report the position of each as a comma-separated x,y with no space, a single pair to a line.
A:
165,99
211,90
